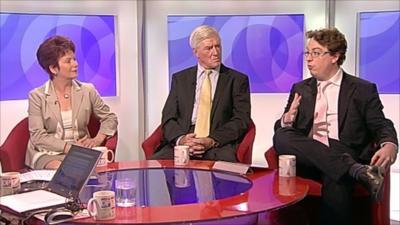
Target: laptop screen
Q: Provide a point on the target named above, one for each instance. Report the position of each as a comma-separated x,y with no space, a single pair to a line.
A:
74,171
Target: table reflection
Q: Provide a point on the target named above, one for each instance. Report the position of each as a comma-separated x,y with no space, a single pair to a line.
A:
157,186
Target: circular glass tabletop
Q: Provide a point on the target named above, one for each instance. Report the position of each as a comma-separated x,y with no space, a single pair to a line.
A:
169,186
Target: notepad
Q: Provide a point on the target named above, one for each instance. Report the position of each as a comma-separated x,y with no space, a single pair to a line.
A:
238,168
67,182
32,200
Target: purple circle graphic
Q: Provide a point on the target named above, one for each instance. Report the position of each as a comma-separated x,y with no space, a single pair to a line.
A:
268,48
21,35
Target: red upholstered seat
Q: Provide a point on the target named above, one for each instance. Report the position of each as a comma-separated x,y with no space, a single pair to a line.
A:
13,150
366,212
243,153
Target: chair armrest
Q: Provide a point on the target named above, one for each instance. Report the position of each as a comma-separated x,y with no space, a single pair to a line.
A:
13,150
152,142
111,143
272,158
245,148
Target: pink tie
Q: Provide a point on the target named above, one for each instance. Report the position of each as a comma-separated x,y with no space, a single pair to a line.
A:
320,127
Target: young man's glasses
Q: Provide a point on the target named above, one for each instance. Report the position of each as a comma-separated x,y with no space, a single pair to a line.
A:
314,54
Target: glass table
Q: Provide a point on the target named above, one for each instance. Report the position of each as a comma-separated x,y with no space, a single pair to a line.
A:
171,186
194,194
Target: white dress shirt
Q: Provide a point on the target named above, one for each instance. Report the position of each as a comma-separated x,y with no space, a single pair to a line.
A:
332,95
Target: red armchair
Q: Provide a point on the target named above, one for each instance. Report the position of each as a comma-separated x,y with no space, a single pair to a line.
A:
243,154
363,206
13,150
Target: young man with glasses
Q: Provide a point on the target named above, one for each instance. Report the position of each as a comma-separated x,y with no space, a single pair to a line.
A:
334,124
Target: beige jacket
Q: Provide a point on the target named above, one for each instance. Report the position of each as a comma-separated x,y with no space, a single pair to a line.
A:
45,123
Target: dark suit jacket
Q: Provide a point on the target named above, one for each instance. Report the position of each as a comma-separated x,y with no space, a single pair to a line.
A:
230,112
361,119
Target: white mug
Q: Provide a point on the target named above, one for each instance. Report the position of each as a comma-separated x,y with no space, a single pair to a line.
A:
102,205
10,183
181,155
287,165
103,161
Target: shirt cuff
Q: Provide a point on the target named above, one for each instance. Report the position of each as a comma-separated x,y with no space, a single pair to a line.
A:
396,147
285,124
179,139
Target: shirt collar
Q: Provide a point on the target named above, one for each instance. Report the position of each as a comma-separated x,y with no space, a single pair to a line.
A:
49,87
200,70
336,79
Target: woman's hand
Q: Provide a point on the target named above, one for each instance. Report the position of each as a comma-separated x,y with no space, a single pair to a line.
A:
92,142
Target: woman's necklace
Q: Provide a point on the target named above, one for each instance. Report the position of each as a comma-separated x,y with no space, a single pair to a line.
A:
66,96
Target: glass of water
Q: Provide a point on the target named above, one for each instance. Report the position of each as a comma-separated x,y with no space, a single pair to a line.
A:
125,192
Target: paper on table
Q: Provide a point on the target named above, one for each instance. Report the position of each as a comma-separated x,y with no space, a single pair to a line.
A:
44,175
32,200
259,165
239,168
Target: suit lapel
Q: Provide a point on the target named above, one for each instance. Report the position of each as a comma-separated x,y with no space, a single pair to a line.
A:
221,83
347,89
52,101
77,98
191,90
306,119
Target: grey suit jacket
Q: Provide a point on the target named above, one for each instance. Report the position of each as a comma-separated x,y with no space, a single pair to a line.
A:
45,123
230,112
361,119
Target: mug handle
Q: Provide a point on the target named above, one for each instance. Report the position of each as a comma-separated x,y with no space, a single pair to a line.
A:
92,209
112,155
186,155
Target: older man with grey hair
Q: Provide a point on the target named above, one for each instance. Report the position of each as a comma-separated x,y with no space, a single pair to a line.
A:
208,107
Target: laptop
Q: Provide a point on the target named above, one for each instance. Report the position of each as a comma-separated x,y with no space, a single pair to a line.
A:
66,183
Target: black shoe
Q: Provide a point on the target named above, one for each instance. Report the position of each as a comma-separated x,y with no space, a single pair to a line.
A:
372,179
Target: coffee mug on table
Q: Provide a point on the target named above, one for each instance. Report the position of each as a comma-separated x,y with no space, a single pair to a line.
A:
102,205
287,165
181,155
104,157
10,183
